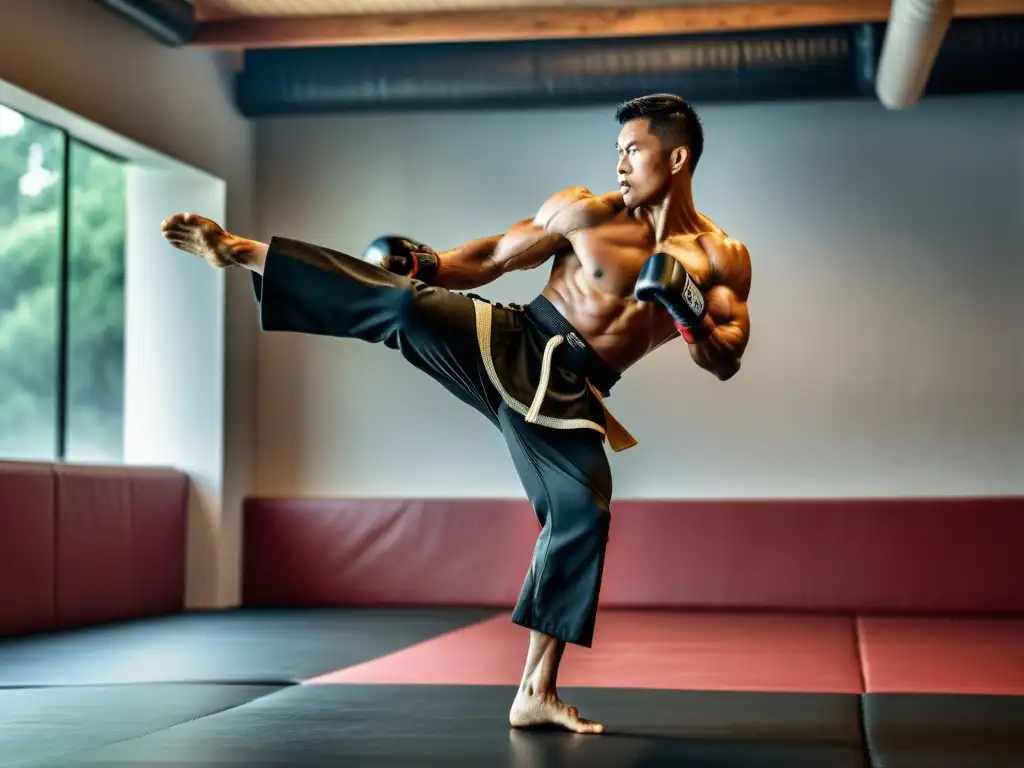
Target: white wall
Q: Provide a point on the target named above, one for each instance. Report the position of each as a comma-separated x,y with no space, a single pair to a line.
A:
177,102
886,352
174,354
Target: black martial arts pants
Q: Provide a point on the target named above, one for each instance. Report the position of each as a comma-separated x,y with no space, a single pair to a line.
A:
565,472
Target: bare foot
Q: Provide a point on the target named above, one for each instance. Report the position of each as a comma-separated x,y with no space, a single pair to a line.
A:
539,710
198,235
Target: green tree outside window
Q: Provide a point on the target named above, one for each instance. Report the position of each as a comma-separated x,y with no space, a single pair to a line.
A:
32,221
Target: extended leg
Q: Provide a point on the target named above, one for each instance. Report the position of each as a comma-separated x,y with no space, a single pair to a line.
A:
568,479
305,288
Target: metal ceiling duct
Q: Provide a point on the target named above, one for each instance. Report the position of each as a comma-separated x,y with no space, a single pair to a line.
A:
794,64
913,38
172,22
980,56
816,63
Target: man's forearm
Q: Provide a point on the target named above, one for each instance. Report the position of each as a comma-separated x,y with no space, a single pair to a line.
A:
482,261
470,265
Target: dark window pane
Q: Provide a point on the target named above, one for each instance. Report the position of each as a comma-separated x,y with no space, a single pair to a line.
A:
31,195
95,347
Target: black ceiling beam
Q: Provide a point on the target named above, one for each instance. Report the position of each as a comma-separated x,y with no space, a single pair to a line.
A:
172,22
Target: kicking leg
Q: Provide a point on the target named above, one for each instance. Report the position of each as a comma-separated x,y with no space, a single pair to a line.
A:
305,288
568,479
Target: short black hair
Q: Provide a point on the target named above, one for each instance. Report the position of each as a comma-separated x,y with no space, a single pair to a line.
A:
672,119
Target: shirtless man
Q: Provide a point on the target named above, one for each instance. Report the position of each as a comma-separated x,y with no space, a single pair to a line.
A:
631,270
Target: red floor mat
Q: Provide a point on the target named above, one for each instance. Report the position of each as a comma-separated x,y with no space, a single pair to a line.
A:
943,655
636,649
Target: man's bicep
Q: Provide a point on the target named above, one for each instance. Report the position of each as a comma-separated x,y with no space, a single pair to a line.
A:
722,351
526,245
735,320
727,299
735,331
735,270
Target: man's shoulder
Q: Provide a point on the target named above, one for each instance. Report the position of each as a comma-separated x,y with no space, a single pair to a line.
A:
714,242
577,208
722,246
730,260
580,194
715,237
727,257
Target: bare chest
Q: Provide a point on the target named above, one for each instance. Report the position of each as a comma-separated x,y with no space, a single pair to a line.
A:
611,256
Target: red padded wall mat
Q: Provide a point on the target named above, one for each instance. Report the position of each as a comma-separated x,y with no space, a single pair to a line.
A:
27,531
94,538
85,544
159,513
847,555
839,555
380,551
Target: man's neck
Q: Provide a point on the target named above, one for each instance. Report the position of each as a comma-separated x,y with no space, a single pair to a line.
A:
676,214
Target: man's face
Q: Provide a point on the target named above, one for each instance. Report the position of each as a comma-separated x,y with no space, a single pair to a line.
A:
645,165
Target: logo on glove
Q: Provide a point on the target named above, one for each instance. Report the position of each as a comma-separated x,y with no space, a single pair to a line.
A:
693,296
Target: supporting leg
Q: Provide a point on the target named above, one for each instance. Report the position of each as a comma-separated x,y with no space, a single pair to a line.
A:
568,480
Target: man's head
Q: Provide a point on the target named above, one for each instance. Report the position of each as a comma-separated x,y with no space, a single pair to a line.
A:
661,140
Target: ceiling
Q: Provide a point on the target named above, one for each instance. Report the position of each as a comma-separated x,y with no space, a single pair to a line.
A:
214,10
254,24
332,56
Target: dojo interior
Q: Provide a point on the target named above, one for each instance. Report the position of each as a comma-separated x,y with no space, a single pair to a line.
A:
225,546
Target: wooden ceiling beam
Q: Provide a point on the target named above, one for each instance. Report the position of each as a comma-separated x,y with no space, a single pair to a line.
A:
554,23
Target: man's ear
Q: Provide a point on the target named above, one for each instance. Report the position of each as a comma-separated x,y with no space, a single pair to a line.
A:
679,159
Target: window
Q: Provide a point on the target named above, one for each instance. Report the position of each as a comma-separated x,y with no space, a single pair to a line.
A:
62,255
94,375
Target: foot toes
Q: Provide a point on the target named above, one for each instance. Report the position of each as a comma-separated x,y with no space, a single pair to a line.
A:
176,220
574,722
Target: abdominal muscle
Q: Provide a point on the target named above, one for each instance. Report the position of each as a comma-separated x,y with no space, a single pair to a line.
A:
620,329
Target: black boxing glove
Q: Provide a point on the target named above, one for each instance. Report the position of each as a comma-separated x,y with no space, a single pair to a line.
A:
664,280
403,256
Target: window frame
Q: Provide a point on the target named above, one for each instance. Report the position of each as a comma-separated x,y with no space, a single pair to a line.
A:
68,139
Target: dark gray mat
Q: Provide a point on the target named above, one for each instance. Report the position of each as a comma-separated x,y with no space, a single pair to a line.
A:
342,725
945,731
272,647
47,724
